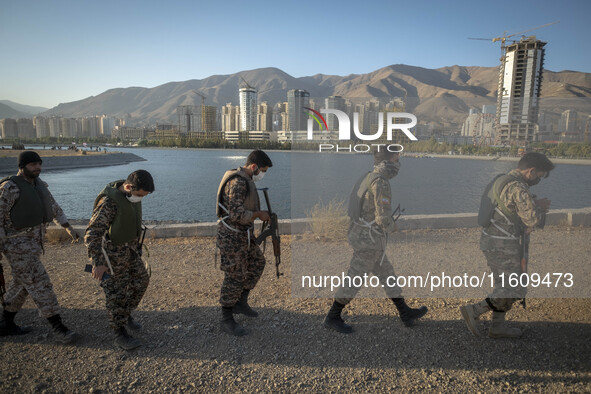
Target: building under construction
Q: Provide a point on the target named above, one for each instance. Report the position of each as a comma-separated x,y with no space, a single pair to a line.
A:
209,118
189,118
520,82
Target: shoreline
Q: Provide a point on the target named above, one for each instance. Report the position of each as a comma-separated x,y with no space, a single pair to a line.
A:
8,164
585,162
417,155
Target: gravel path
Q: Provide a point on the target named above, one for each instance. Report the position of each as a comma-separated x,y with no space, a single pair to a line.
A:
287,348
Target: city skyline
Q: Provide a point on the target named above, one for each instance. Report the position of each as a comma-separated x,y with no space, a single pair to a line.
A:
67,51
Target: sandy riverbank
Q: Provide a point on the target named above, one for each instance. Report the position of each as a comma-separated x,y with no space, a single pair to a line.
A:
287,348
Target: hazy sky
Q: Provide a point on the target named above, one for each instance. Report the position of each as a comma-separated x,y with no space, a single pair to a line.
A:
61,51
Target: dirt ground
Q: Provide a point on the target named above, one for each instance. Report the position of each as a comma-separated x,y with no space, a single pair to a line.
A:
287,348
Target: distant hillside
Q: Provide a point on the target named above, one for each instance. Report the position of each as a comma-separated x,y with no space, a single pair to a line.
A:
441,95
9,112
26,109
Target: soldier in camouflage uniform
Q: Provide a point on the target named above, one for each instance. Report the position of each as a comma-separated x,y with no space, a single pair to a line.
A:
370,209
26,208
516,214
114,230
241,258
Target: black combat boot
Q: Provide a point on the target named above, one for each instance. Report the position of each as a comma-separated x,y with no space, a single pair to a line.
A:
407,314
132,324
242,306
61,333
124,340
334,321
8,327
229,325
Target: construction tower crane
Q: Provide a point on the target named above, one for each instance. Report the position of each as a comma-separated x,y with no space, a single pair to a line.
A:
247,84
504,37
201,95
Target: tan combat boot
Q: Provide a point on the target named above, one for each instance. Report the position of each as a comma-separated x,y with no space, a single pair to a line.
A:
471,312
500,329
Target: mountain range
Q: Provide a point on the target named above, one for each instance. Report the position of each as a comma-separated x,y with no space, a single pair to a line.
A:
10,109
442,96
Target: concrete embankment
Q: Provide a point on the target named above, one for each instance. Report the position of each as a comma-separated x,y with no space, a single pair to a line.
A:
585,162
8,165
565,217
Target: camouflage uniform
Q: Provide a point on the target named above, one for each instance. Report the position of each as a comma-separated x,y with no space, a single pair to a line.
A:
503,252
128,282
22,249
369,242
241,259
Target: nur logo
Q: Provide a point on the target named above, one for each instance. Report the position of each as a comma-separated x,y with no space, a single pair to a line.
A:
345,124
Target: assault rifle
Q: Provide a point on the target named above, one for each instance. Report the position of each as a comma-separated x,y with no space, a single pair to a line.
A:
271,229
524,255
2,284
140,245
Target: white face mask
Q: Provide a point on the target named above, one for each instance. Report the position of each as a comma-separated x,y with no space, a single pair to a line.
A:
258,177
134,199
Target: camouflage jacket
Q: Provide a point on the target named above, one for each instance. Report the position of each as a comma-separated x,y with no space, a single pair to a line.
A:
100,222
376,206
28,241
233,197
519,201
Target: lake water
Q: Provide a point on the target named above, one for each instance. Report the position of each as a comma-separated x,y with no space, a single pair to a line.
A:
187,180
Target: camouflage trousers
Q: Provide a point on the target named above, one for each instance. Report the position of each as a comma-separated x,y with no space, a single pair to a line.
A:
125,288
30,278
366,261
504,263
243,266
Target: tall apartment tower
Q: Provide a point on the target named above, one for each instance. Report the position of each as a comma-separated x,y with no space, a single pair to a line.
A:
568,121
230,117
297,100
334,102
248,109
41,126
8,128
520,83
264,117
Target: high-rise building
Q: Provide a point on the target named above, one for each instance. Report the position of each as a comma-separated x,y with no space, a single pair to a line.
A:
568,122
279,110
520,82
264,117
189,117
8,128
362,123
90,127
55,126
107,124
25,128
297,100
41,126
69,127
334,102
230,117
248,109
209,118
